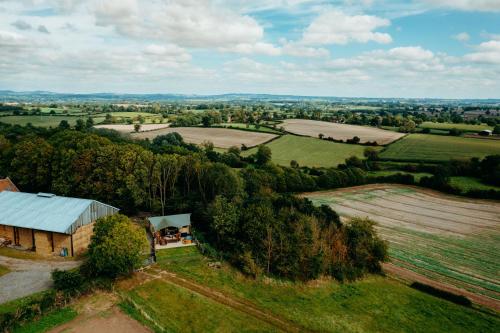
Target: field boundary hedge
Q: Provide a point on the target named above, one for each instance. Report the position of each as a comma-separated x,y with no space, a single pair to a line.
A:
443,294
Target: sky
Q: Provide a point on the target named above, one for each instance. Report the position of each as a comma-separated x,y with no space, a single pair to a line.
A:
345,48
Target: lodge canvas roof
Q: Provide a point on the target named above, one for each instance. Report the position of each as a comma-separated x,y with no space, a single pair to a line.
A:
177,221
48,212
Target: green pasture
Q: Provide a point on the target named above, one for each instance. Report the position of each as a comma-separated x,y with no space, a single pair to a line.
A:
310,152
426,147
372,304
449,126
45,121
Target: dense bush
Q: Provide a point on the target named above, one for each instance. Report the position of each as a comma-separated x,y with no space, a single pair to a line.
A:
71,280
117,247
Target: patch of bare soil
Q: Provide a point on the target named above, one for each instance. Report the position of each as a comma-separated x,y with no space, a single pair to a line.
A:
99,313
340,131
411,276
220,137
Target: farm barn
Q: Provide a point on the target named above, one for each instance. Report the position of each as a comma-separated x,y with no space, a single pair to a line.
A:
49,224
7,185
171,229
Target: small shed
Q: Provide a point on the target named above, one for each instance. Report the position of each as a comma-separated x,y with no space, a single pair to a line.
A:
171,228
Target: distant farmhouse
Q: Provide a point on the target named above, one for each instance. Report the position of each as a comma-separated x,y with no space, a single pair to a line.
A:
49,224
7,185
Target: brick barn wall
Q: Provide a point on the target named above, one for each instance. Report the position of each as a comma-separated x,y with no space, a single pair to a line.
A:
25,238
7,232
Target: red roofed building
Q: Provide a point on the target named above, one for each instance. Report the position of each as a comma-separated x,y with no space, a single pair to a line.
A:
7,185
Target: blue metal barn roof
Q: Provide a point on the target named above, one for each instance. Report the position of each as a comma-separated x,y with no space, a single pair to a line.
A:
177,221
49,212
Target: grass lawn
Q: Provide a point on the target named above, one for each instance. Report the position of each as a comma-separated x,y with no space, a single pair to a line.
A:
310,152
374,304
3,270
469,183
48,321
448,126
383,173
424,147
44,121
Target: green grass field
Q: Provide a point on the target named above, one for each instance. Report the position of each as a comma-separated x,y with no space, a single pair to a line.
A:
424,147
374,304
48,321
180,310
45,121
3,270
448,126
310,151
469,183
383,173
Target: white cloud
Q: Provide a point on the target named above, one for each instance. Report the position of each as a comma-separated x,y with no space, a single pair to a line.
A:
299,50
486,53
336,27
462,37
43,29
466,5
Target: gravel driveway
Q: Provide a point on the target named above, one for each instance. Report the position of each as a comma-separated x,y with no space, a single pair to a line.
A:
28,276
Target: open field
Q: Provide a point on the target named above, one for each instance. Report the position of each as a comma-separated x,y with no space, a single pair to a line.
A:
448,239
220,137
310,151
340,131
426,147
45,121
462,127
373,304
130,128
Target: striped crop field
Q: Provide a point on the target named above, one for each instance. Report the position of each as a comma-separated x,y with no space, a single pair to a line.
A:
448,239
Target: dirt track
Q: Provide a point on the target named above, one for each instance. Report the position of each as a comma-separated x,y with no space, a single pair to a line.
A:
220,137
340,131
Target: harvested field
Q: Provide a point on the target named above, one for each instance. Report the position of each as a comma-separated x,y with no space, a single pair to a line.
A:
448,239
220,137
340,131
130,128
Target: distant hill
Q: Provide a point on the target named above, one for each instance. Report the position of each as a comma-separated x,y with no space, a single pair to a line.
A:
47,96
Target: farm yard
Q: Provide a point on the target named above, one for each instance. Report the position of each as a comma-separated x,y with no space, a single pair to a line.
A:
310,152
130,128
220,137
340,131
424,147
448,239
